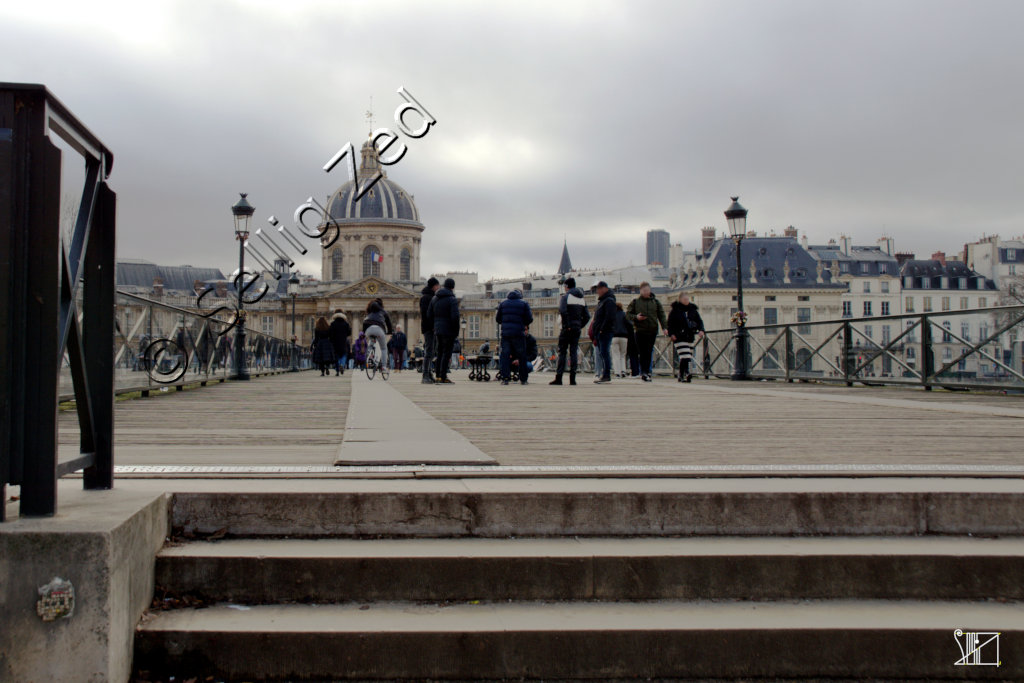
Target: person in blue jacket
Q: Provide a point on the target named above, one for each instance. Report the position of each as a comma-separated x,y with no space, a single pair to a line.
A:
514,316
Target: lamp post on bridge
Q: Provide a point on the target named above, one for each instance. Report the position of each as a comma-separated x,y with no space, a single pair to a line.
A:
242,211
293,290
462,354
736,217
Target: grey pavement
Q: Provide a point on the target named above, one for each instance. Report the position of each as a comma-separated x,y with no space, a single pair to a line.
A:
386,428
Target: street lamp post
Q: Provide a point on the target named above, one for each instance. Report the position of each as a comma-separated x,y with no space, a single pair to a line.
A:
293,290
736,217
464,326
242,211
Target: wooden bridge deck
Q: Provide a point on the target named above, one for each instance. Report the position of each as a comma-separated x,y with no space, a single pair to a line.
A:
299,419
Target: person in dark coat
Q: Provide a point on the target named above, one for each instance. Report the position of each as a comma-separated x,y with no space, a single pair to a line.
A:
514,316
575,316
684,326
340,333
620,341
399,345
647,314
444,311
427,329
323,351
604,329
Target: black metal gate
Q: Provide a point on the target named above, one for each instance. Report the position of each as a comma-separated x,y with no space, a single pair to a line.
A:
44,282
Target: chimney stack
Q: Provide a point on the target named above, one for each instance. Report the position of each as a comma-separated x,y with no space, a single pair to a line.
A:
887,245
939,256
707,238
221,289
904,256
158,286
790,232
845,244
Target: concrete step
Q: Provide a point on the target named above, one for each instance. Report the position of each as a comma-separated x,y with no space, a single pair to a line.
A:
253,571
672,507
558,641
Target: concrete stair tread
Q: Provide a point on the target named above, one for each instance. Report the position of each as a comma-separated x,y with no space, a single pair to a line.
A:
698,616
334,548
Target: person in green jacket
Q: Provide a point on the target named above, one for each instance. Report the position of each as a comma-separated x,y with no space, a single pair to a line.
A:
647,314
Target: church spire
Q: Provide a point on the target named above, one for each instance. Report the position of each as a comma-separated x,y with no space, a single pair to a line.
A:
565,266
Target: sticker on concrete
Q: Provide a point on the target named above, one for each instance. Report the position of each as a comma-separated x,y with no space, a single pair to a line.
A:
56,600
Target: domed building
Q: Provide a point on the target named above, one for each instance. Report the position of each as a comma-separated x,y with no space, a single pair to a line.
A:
371,249
380,233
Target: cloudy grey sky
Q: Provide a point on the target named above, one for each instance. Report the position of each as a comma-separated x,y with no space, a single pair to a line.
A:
593,120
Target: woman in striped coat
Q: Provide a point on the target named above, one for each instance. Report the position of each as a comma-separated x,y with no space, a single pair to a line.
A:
684,327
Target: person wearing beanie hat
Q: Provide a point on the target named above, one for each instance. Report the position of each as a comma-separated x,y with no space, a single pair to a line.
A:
444,312
514,316
427,329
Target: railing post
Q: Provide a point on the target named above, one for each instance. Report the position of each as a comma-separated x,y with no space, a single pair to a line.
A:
847,352
790,358
40,361
707,356
99,300
927,359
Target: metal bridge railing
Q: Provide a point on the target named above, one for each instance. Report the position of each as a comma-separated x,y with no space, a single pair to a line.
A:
157,345
980,348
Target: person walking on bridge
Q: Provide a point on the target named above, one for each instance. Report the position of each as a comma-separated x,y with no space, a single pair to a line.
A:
684,326
340,333
323,350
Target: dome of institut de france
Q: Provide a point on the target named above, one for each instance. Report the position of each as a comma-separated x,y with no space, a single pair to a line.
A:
378,234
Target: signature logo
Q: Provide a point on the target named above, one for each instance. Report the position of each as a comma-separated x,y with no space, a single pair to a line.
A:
977,648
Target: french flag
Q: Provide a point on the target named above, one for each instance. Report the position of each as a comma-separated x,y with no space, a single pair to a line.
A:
378,257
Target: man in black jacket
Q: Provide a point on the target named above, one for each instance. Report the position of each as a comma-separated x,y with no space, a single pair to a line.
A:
340,332
444,312
604,329
427,329
575,316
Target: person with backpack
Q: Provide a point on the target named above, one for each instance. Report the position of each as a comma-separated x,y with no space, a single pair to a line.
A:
573,309
684,326
646,313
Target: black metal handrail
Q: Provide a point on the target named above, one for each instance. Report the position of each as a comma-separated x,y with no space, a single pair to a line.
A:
48,279
159,344
789,351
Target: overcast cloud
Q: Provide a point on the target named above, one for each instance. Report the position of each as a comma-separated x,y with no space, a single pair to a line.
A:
593,120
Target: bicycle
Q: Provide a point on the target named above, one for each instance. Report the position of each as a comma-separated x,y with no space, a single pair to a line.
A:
374,362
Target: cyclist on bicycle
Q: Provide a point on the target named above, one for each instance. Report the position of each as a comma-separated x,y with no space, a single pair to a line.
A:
376,325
